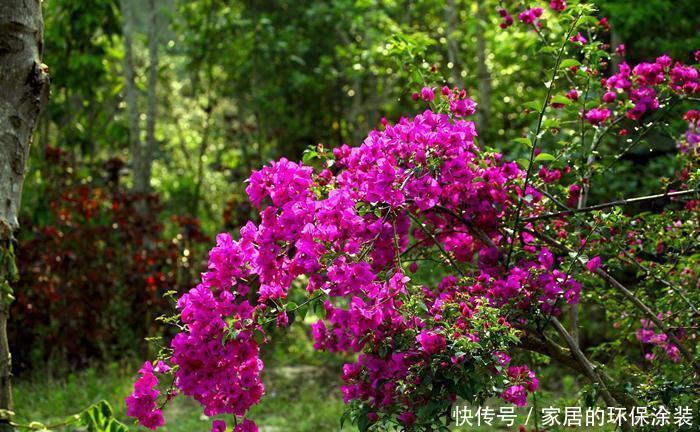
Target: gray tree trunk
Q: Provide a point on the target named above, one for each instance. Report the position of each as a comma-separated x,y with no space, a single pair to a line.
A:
452,17
615,41
24,92
484,77
151,144
131,94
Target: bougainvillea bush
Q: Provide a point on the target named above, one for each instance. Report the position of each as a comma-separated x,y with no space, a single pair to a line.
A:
436,260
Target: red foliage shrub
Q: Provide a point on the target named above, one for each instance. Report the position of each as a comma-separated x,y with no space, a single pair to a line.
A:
94,263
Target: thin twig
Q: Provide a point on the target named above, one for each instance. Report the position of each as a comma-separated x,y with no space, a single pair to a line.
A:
617,203
437,243
630,259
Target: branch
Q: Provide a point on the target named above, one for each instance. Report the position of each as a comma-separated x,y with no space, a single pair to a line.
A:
649,313
618,203
437,243
545,346
627,294
479,233
634,262
631,260
587,366
544,192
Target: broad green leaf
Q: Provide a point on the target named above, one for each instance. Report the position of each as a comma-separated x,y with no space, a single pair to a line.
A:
544,157
566,63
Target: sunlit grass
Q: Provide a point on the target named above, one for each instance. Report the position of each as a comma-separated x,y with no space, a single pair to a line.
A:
303,398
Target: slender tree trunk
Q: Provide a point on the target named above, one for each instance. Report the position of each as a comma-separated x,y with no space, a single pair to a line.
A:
451,17
484,77
151,144
131,94
204,144
615,42
24,92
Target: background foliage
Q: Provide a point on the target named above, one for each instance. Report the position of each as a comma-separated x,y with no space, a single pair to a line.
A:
240,83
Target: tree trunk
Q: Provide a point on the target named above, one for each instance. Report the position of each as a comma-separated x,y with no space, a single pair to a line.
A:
615,42
484,77
151,144
451,17
24,92
131,93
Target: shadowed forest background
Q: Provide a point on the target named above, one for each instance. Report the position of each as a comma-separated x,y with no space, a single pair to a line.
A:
160,109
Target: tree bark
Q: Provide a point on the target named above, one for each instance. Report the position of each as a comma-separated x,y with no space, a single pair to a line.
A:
615,42
451,17
24,92
586,364
151,144
131,95
484,77
543,345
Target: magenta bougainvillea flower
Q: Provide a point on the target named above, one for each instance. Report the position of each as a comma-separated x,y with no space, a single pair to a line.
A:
142,403
597,116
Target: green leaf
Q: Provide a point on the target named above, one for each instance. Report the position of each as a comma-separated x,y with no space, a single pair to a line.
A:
549,123
523,140
561,99
309,155
533,105
566,63
423,306
344,418
524,163
258,337
363,422
544,157
320,309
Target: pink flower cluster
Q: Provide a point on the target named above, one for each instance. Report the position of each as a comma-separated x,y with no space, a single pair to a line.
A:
648,335
506,18
528,282
460,105
690,141
222,376
643,83
597,116
522,381
142,403
531,16
557,5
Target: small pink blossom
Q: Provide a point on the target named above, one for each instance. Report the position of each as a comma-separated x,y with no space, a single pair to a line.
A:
428,94
597,116
218,426
246,426
593,264
407,418
430,342
609,97
572,94
578,39
557,5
